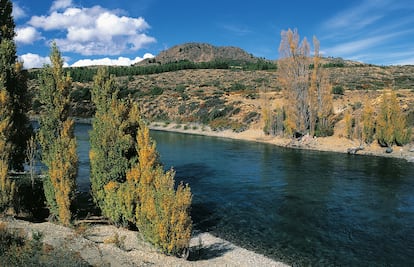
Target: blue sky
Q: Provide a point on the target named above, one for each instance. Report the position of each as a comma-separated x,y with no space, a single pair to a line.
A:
125,31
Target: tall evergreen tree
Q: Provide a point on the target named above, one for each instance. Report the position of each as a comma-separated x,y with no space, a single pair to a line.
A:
56,136
14,79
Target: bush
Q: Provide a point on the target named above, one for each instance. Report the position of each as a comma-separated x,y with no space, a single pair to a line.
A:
338,90
15,250
156,91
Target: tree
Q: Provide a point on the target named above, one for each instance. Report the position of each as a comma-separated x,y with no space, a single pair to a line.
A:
308,93
14,79
368,123
320,103
57,140
293,74
162,213
112,143
7,187
391,125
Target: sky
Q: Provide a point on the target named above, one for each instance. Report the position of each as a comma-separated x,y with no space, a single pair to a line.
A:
107,32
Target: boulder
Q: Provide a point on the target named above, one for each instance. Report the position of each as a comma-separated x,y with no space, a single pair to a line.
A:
388,150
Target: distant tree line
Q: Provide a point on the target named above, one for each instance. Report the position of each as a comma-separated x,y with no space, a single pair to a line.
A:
86,74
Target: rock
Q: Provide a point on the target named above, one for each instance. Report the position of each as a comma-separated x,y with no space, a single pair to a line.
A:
410,159
411,149
354,150
388,150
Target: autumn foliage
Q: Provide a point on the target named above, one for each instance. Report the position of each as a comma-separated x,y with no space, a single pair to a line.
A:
307,89
7,187
57,140
128,182
391,125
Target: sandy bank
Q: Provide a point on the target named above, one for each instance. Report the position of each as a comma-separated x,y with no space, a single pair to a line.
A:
94,245
330,144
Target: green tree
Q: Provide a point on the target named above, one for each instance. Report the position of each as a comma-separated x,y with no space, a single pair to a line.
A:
14,79
112,142
56,136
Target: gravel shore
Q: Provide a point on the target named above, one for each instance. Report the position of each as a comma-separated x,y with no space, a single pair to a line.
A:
107,245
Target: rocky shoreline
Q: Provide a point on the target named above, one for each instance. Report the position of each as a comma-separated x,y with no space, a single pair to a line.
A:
107,245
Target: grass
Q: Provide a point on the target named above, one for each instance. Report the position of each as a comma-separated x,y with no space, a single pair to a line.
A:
17,250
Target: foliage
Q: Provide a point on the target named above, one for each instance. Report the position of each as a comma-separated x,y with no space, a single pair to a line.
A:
368,124
112,143
349,124
162,213
56,138
391,125
7,187
338,90
17,250
14,79
307,89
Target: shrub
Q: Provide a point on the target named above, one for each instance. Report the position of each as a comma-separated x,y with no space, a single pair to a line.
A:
338,90
16,250
156,91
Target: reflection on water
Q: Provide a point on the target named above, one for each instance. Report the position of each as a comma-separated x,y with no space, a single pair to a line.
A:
307,208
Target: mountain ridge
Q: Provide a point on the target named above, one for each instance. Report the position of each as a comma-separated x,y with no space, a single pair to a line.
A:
201,52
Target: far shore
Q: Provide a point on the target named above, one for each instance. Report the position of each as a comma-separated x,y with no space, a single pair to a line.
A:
328,144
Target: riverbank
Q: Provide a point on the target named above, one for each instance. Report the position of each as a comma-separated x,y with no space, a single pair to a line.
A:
107,245
330,144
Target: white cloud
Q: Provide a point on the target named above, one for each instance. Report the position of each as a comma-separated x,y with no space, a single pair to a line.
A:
60,4
95,30
27,35
18,12
33,60
121,61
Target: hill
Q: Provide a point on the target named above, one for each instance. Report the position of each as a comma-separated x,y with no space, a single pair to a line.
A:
200,52
228,97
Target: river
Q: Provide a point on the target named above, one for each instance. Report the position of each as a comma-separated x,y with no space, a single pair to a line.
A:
300,207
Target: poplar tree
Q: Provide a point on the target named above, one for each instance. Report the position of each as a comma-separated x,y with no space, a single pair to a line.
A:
7,187
14,79
162,213
368,123
391,125
56,136
112,144
308,91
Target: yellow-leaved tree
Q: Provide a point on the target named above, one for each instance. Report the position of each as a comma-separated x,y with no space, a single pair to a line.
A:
391,125
162,212
307,90
7,187
57,140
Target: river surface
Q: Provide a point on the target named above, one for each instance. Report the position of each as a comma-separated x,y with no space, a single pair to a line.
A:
301,207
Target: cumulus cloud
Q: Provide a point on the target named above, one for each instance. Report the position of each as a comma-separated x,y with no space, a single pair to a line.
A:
27,35
60,4
33,60
18,12
95,30
120,61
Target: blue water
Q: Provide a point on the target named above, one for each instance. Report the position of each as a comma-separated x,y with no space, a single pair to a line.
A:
301,207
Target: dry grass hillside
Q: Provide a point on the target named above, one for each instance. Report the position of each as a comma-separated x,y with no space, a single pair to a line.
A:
232,98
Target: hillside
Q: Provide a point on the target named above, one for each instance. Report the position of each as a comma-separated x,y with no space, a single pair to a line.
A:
201,52
232,98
